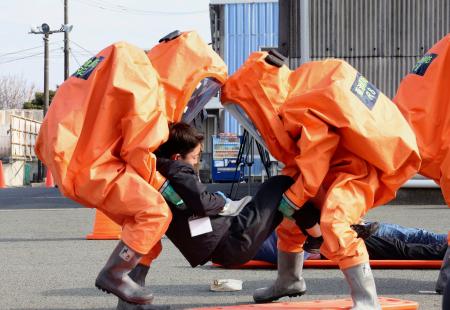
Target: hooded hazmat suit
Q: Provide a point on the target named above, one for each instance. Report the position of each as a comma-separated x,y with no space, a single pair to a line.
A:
98,136
105,121
342,135
423,97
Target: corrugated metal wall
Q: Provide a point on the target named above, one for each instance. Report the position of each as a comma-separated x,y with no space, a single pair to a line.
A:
383,39
247,28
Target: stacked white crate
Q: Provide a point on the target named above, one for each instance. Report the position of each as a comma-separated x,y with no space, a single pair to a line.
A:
26,126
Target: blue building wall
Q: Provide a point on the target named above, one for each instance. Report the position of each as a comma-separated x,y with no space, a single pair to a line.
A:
248,27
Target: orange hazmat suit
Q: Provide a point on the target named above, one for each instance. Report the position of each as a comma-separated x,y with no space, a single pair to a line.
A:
182,65
346,139
104,123
423,98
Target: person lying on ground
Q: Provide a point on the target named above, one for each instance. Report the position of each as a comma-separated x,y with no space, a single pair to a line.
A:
383,241
407,234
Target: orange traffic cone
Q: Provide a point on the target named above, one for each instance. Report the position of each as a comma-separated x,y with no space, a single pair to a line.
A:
2,176
49,179
104,228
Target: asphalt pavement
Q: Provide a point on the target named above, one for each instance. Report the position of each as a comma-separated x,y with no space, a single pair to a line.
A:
46,263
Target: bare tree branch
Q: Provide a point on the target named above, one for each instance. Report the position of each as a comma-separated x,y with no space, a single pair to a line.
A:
14,91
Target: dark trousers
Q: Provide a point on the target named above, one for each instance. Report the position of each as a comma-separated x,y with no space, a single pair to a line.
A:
380,248
446,297
253,225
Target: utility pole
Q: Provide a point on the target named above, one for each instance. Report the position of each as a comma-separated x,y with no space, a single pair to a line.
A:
66,40
46,96
45,30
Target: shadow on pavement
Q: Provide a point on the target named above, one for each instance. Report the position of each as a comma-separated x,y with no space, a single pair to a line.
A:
337,286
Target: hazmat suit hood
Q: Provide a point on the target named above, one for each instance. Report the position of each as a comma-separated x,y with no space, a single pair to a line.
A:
109,112
190,72
423,98
254,95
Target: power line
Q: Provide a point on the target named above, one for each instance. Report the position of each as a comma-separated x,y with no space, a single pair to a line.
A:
80,53
91,53
73,56
103,5
24,57
24,50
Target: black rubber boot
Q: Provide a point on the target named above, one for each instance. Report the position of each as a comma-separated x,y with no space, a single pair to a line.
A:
138,275
127,306
444,274
446,297
289,281
123,305
114,278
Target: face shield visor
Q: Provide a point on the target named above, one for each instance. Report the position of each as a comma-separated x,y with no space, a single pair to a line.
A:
205,90
241,116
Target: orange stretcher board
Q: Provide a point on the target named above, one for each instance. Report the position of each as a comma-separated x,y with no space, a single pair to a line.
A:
334,304
322,263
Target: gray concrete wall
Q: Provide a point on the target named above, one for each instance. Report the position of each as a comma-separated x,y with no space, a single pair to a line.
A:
16,174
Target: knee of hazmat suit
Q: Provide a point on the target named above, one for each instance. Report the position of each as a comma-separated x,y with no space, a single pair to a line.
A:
423,98
329,104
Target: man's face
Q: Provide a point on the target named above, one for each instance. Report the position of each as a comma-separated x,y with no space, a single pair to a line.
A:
192,157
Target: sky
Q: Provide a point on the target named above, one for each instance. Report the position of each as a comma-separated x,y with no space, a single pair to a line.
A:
96,25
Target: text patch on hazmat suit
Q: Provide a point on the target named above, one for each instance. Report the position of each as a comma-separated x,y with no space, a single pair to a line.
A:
365,91
422,65
86,69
